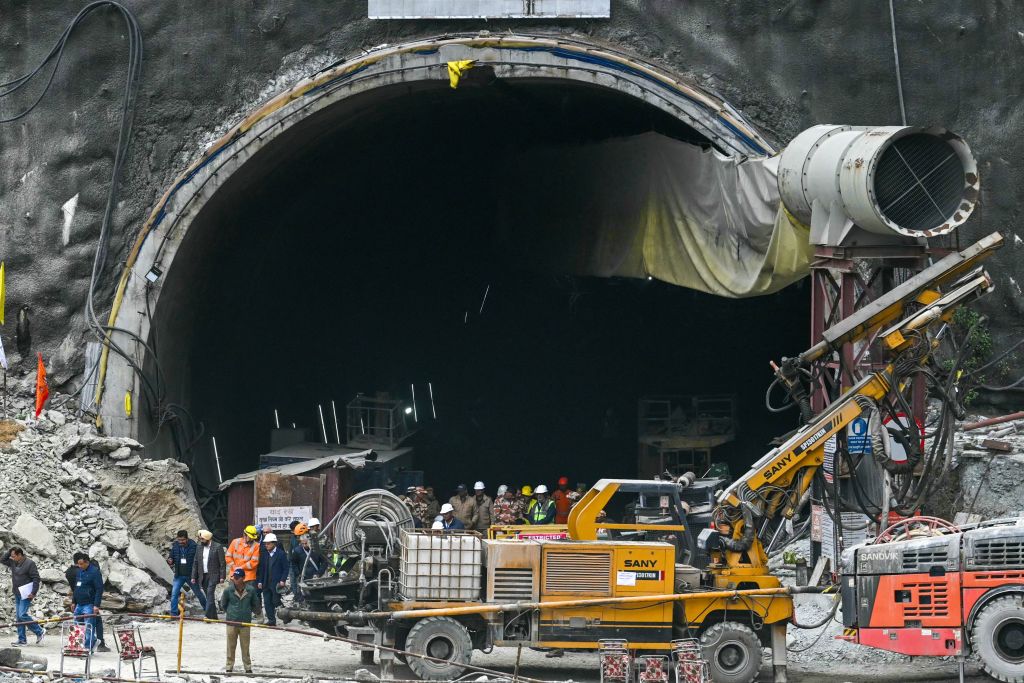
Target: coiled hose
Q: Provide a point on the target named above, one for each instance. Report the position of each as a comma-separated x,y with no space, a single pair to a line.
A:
375,505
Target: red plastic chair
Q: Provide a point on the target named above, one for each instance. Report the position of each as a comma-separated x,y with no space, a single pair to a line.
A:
131,649
73,637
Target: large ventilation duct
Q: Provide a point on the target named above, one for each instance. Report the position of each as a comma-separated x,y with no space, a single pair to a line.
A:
895,181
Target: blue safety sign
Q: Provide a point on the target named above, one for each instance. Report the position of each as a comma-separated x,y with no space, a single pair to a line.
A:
858,441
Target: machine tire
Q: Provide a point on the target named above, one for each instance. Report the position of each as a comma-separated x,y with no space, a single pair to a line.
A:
441,637
732,651
998,638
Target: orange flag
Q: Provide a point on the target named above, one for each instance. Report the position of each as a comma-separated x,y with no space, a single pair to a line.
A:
42,391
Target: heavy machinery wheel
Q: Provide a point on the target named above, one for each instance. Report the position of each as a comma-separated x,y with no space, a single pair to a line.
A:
732,651
998,638
442,638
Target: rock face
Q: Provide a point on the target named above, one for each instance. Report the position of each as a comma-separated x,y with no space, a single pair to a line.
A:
34,535
156,501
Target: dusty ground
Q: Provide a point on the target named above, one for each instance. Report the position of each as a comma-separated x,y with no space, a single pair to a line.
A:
289,654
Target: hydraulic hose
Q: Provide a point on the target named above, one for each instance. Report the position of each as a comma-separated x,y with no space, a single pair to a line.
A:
744,542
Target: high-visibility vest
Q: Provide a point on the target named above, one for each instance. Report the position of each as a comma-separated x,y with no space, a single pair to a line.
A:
242,555
539,511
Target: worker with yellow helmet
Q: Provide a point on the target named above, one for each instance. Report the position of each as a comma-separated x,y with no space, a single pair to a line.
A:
244,553
525,500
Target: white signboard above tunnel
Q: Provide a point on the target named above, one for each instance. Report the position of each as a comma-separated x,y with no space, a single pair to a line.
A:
489,9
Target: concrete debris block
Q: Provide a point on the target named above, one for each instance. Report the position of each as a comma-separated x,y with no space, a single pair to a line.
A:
134,583
101,444
51,575
146,557
131,443
122,453
67,498
115,539
133,461
70,446
56,417
34,535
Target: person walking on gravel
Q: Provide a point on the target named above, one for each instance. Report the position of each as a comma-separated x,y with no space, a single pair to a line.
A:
26,582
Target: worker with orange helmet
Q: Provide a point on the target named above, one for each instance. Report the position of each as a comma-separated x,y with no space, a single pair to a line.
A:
299,531
244,553
562,501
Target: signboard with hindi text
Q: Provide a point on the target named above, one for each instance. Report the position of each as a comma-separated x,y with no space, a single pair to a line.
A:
280,517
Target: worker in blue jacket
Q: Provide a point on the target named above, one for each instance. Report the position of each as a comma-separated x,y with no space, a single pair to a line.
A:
86,595
272,576
180,560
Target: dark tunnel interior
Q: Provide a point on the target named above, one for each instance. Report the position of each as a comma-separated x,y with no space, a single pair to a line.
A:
357,253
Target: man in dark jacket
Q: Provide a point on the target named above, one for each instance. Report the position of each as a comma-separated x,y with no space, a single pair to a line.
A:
272,577
86,595
181,559
25,579
71,574
238,602
208,570
307,563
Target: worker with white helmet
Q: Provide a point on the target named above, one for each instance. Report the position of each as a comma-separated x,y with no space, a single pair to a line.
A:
543,509
449,522
272,577
506,509
484,503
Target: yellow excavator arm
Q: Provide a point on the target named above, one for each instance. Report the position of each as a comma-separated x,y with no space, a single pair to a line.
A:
901,321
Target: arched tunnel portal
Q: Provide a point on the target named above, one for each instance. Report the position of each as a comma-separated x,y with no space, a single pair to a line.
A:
369,230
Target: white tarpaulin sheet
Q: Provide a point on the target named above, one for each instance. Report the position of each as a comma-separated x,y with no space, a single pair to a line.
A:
649,205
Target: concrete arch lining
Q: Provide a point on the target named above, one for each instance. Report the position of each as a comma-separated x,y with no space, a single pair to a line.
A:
511,57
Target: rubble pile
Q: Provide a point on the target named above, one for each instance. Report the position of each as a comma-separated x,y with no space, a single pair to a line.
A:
990,462
65,489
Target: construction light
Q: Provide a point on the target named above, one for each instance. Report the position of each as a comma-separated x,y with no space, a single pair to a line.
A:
408,410
154,274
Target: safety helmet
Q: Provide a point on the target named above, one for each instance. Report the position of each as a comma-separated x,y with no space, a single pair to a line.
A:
300,529
479,486
251,531
541,489
502,489
313,521
270,538
446,508
527,491
563,481
437,525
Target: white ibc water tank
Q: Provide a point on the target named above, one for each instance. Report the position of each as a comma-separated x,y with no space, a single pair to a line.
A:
901,181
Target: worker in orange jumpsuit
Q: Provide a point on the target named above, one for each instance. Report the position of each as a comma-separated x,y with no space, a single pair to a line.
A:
562,501
244,553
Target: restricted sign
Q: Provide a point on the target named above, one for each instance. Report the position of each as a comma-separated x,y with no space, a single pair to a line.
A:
279,517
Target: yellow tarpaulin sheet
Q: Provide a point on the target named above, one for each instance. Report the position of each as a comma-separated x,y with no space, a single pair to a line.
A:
652,205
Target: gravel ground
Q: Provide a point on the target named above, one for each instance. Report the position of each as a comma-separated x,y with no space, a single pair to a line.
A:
288,654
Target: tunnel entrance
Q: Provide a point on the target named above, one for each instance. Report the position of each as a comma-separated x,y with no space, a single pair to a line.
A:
380,244
368,258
